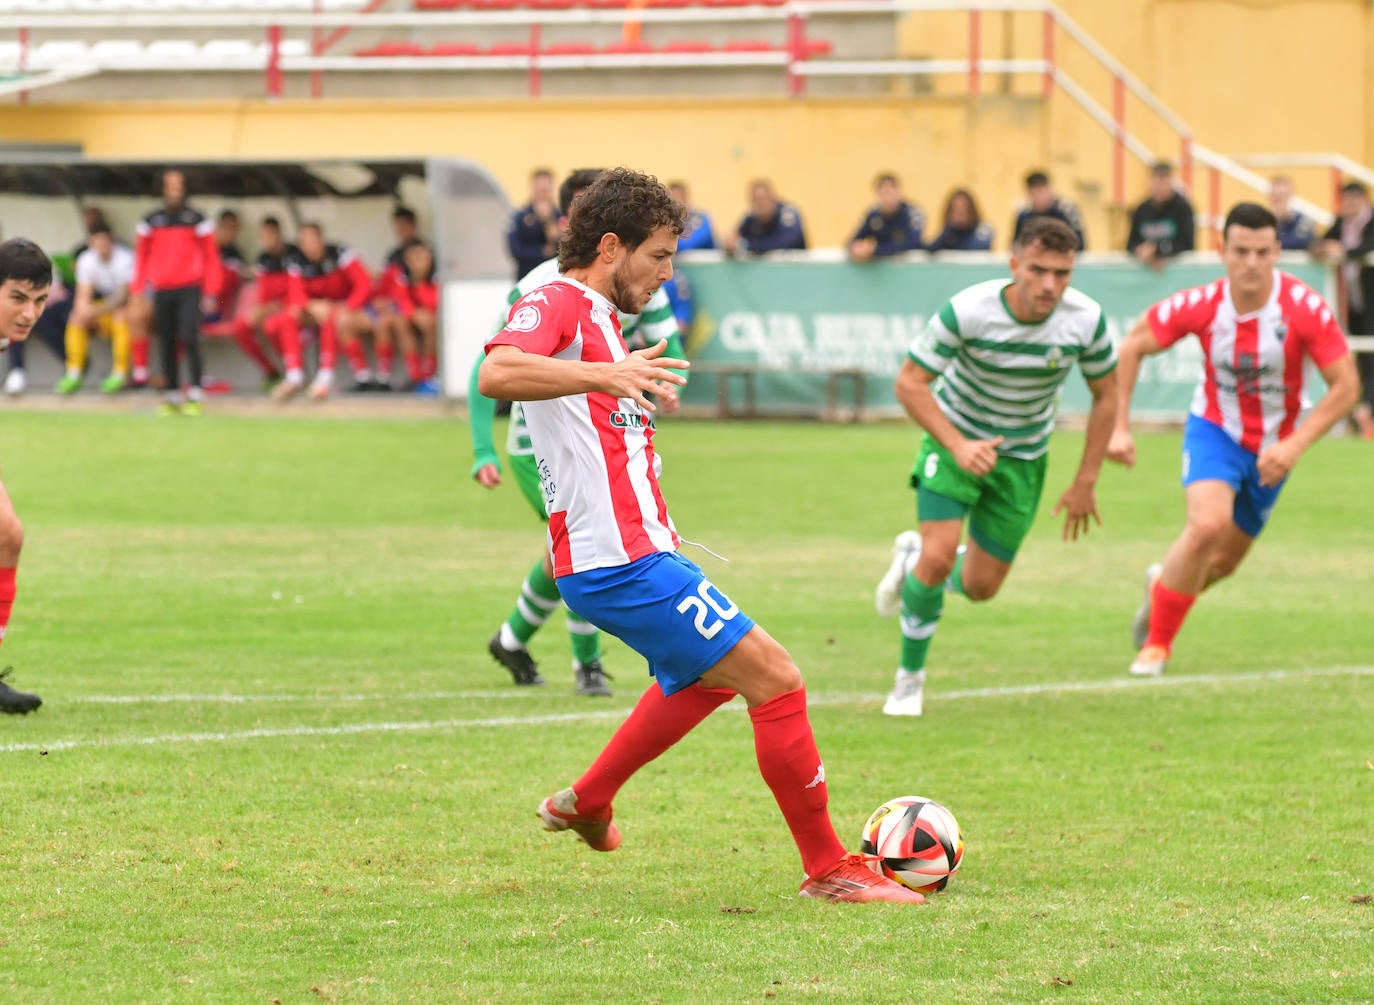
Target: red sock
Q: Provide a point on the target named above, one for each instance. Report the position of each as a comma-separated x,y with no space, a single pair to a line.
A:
138,353
247,342
6,599
413,370
386,356
329,344
430,362
1167,611
655,725
357,358
791,765
287,334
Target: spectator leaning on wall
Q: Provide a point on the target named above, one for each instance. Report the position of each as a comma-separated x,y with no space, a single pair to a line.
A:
770,224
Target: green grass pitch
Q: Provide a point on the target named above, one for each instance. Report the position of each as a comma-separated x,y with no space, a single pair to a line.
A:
275,762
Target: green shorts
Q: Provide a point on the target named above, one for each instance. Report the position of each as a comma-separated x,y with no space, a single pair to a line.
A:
1000,506
526,471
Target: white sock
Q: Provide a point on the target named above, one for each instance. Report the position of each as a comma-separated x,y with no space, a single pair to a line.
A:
294,375
73,372
508,639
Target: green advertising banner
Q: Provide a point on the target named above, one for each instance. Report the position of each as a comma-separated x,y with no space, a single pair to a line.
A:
794,322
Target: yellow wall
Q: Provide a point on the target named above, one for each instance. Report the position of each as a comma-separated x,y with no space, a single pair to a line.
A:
821,155
1251,76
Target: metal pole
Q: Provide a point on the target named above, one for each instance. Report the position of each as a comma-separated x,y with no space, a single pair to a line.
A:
1119,141
1047,26
974,51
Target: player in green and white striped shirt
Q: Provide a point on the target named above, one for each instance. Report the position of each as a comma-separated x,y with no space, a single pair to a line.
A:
539,597
983,381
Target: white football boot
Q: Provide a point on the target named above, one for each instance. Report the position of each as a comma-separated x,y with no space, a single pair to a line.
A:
906,551
16,382
907,697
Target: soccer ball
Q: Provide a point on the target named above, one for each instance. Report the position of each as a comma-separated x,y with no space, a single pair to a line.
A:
917,843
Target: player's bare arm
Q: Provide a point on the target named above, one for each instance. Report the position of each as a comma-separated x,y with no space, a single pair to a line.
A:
1079,501
1139,342
977,457
1342,394
514,375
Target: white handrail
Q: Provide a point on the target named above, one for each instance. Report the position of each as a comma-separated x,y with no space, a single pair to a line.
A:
34,81
1343,164
1232,169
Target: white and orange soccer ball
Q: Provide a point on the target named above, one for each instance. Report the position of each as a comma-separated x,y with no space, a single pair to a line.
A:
915,841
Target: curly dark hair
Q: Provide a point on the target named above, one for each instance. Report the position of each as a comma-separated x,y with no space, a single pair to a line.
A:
622,202
574,185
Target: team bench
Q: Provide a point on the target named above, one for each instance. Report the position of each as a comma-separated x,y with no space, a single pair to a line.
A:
747,375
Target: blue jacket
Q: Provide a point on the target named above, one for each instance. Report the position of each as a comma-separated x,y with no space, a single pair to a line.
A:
527,241
1296,233
953,238
782,233
679,291
1061,210
697,235
895,234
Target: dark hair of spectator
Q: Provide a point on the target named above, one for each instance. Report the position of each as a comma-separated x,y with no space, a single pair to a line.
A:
886,178
1050,233
622,202
227,215
272,222
574,185
1251,216
98,229
25,262
541,173
1036,179
1354,188
1162,169
972,206
403,213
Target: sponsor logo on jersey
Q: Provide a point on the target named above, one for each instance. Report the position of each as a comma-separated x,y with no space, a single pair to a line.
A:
630,420
526,319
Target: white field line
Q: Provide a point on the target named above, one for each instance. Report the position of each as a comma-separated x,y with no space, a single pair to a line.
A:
1063,687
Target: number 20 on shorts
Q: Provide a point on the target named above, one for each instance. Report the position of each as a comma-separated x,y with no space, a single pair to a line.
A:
706,602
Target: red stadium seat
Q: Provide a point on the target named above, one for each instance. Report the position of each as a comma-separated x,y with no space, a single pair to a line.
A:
440,4
688,47
817,47
749,45
570,49
510,49
455,49
607,4
627,49
494,4
394,49
552,4
661,4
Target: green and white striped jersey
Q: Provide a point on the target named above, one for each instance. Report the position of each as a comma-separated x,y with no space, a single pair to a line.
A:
638,330
1000,376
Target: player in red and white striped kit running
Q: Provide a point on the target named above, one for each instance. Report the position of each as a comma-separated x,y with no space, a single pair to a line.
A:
1257,327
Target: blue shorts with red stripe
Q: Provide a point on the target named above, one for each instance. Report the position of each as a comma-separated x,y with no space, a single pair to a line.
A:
663,607
1209,454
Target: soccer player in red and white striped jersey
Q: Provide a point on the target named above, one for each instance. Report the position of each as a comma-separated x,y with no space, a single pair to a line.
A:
614,547
1257,327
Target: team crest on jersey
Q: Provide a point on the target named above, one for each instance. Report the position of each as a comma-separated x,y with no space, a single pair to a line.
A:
1281,331
1054,357
526,319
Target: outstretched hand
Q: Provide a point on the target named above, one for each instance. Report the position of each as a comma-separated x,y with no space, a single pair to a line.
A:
646,371
1079,505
